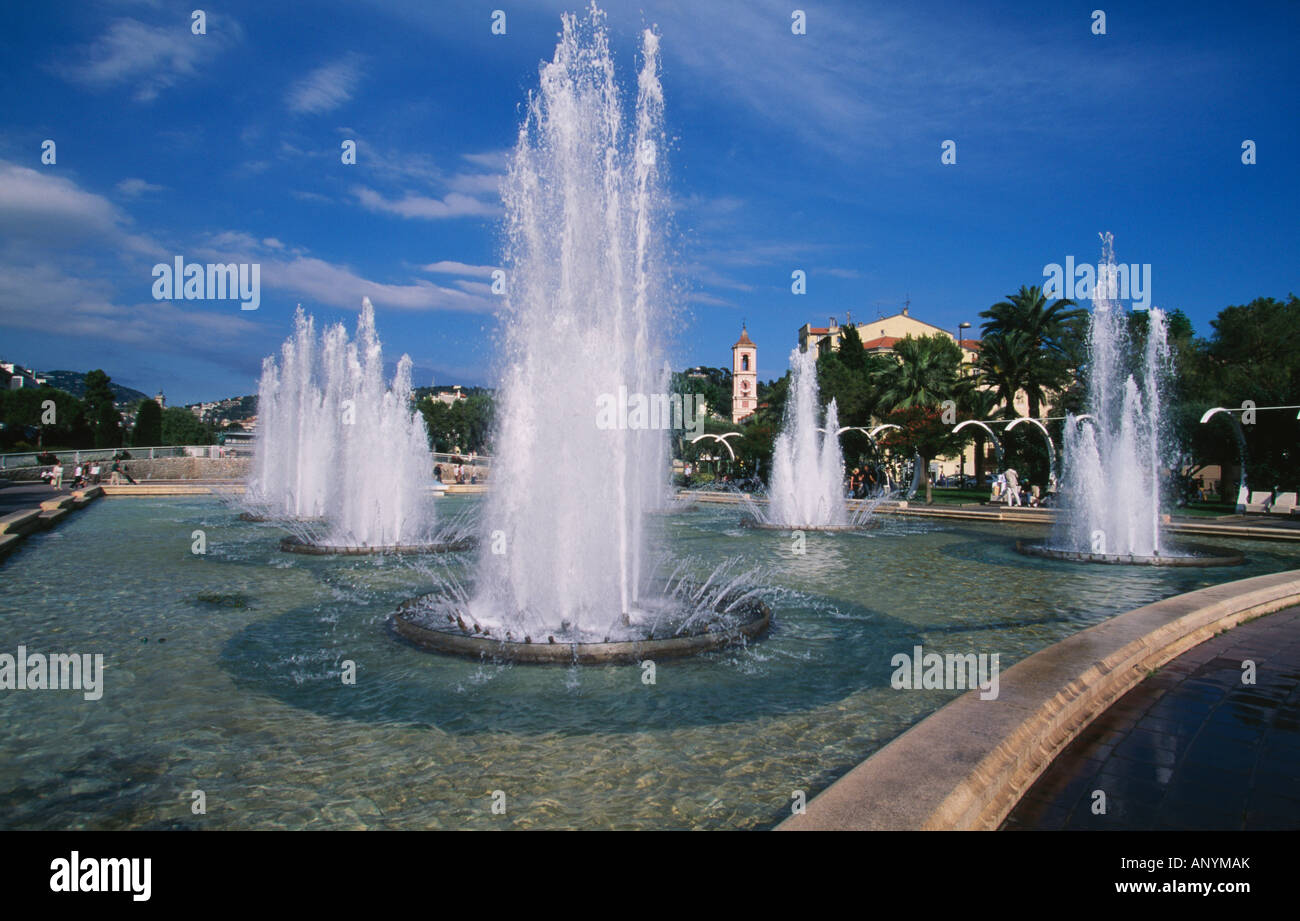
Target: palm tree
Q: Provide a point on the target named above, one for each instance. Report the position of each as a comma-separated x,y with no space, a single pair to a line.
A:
923,376
1002,365
975,401
1041,334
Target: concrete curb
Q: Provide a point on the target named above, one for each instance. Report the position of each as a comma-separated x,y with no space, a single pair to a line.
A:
17,525
966,766
1044,517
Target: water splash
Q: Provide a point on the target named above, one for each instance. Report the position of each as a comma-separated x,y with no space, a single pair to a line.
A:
582,319
338,444
807,488
1113,454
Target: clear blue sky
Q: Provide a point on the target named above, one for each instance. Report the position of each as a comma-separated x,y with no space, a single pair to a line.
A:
818,152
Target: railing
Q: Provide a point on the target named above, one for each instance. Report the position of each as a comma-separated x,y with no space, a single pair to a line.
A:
82,455
475,460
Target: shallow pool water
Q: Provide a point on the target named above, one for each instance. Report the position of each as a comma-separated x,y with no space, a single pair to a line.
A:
224,674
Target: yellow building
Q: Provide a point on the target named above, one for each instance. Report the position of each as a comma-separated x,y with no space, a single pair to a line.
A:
879,337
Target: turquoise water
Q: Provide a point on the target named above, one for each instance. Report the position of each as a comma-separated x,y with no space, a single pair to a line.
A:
223,674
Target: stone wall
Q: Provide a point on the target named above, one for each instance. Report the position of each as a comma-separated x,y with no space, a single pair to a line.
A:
162,468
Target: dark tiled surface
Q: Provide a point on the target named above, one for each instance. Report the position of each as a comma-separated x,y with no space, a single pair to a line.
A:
1192,747
28,496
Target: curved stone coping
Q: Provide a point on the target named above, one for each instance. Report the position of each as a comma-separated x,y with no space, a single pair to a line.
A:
580,653
1194,555
965,766
297,545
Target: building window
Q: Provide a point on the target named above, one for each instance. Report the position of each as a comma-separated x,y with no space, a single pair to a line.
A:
744,363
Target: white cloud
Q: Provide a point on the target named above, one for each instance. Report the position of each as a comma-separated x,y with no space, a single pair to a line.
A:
134,188
318,281
447,267
326,88
32,202
150,58
452,205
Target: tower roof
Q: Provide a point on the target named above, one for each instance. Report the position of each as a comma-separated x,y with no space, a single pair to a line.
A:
744,339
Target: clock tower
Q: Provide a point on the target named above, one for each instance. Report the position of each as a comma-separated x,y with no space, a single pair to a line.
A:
744,377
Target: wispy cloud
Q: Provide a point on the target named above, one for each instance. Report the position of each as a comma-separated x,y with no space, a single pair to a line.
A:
325,88
447,267
134,188
319,281
149,58
452,205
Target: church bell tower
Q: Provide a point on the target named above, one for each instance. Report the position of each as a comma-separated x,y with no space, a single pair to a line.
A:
744,377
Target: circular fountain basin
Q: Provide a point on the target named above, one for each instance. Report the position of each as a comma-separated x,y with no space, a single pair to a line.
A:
1183,555
749,521
756,617
298,545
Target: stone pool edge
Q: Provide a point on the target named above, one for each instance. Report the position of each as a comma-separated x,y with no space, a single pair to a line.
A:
15,526
964,767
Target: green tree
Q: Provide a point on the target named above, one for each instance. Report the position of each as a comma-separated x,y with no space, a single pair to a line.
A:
912,389
179,426
976,402
1044,337
102,412
148,425
921,433
924,372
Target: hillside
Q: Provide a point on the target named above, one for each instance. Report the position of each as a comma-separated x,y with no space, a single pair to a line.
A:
74,382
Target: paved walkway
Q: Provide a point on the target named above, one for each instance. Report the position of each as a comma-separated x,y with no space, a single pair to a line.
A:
26,496
1192,747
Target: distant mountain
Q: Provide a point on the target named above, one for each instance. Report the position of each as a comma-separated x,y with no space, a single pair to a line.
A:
74,382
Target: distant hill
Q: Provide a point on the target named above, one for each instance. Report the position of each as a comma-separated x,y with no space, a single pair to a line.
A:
74,382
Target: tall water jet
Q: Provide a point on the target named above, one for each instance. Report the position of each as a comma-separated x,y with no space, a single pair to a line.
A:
807,488
1113,458
564,525
1114,454
338,444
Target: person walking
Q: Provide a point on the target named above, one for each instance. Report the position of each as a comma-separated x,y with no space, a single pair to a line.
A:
1013,487
56,475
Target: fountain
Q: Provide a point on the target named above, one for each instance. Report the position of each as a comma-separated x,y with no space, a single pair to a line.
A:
565,573
807,488
1114,453
342,459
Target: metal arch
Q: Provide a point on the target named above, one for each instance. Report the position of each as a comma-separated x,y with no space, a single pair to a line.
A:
1051,448
719,438
997,443
1241,445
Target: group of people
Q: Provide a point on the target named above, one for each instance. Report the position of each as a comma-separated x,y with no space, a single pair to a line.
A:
87,474
457,473
1008,489
863,483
